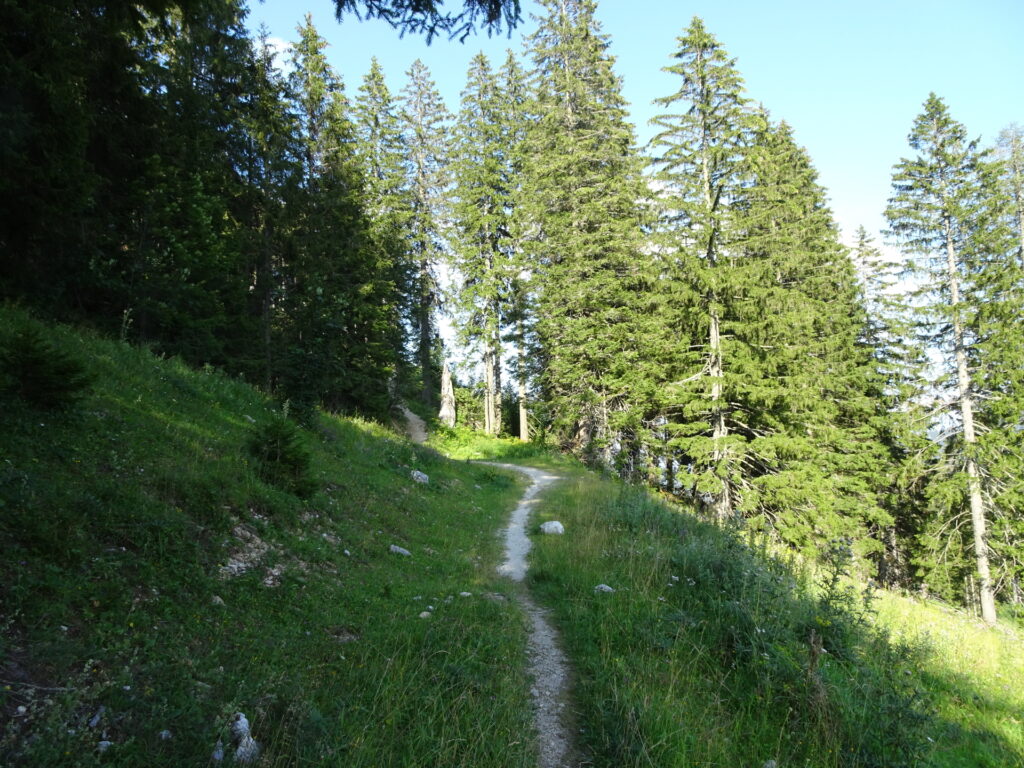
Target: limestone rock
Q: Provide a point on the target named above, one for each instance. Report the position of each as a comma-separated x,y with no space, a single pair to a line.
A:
552,527
603,588
399,550
419,477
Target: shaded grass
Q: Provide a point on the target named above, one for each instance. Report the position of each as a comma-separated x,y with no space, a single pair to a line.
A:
117,518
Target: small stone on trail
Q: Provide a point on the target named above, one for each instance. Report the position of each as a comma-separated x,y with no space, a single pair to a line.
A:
603,588
552,526
426,615
419,477
399,550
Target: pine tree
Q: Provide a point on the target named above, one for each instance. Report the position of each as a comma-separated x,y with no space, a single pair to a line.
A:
426,123
896,419
947,213
1010,149
482,210
381,151
514,95
583,196
341,298
699,155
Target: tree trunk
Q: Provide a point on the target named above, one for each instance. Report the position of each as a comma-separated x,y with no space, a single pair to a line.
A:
447,415
488,391
977,503
426,337
524,426
722,504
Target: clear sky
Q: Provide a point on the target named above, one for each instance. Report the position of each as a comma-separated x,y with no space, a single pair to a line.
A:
849,76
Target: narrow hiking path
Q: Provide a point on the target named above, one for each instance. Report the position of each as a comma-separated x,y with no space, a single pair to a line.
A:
415,427
548,664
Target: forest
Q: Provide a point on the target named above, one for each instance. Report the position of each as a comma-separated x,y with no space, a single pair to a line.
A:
683,315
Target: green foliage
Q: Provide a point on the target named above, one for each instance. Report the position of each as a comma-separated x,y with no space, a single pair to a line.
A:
40,374
282,459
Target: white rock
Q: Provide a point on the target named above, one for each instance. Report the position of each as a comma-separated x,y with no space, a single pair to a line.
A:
240,727
552,526
217,600
400,550
465,594
419,477
103,746
165,735
249,418
347,553
218,752
247,751
426,615
771,764
95,719
603,588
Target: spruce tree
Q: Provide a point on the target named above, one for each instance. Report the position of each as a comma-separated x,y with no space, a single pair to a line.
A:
1010,149
698,159
481,213
583,193
381,151
341,296
426,126
947,213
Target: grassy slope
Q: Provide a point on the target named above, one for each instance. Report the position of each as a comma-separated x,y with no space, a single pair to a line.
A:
115,521
702,656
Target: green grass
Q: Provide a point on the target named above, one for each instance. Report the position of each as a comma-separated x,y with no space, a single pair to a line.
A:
116,519
703,655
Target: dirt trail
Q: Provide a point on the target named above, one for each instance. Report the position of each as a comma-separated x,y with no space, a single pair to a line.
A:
548,665
415,427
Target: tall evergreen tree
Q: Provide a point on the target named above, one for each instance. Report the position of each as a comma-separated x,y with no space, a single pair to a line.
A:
583,194
381,151
1010,149
482,210
946,212
699,162
426,124
341,297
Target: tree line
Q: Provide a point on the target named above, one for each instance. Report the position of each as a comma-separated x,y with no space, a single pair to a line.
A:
683,314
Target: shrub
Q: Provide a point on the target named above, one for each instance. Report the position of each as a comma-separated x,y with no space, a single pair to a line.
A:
282,458
35,371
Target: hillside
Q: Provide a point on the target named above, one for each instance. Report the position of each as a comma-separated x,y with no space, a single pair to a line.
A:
156,584
162,580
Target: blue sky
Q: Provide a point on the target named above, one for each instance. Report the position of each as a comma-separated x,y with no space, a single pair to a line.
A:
848,76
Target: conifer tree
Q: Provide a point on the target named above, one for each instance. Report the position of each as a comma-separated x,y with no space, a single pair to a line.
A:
583,194
699,154
896,419
381,151
341,296
1010,149
948,214
514,97
482,213
426,122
